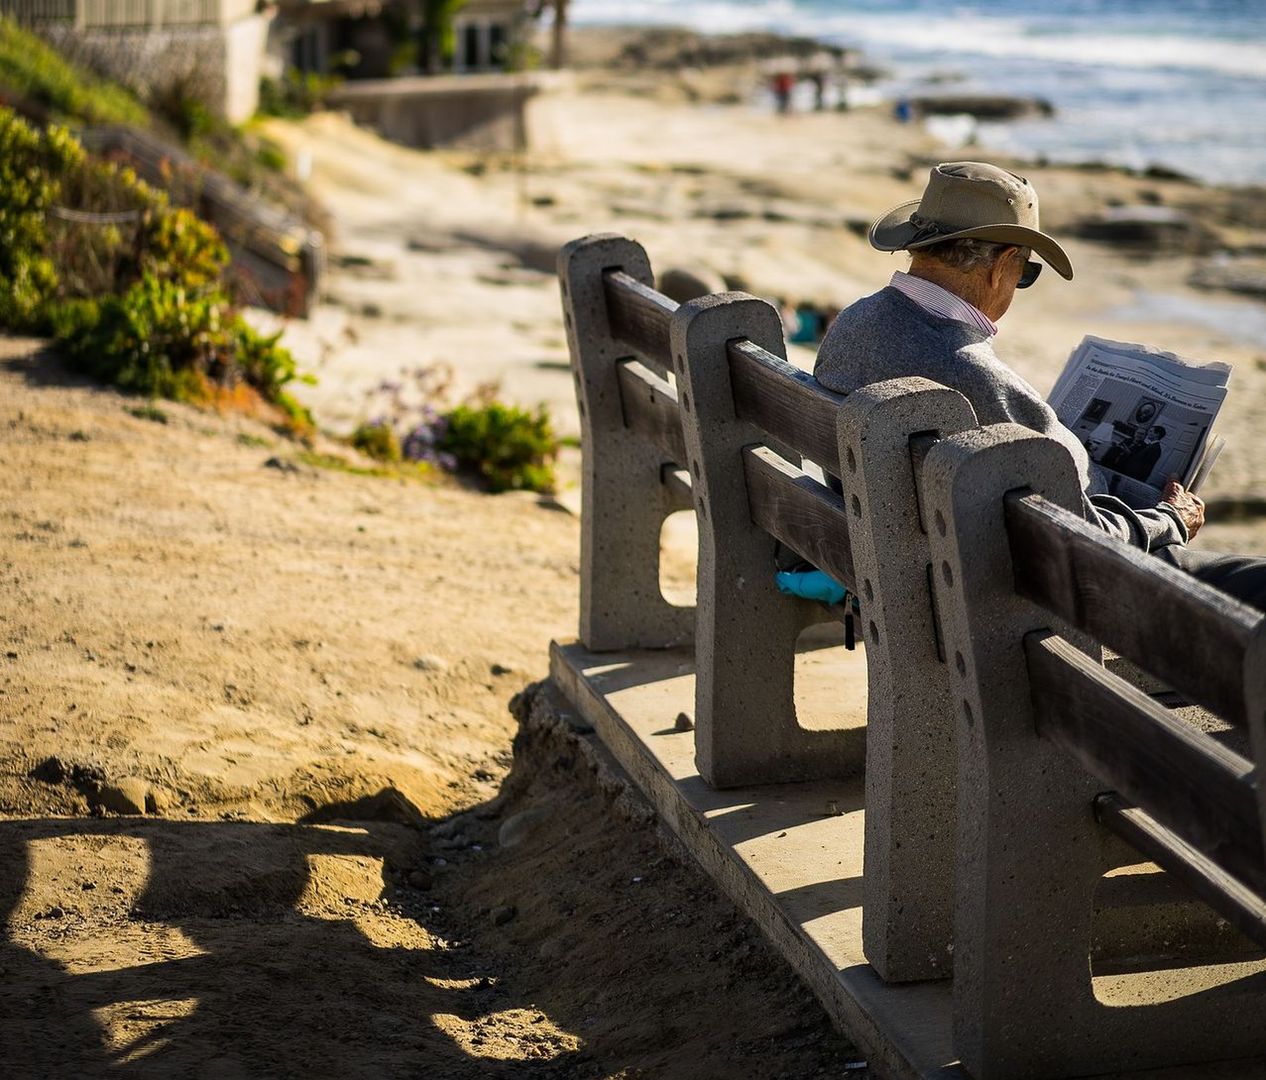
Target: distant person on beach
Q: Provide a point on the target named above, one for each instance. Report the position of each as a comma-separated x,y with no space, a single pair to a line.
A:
970,236
783,84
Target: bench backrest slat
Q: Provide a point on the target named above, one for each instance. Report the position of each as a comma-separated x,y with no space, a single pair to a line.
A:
651,408
1242,907
1187,781
798,511
1192,636
640,317
788,403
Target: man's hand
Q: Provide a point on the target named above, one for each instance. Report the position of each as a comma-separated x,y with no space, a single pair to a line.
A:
1190,507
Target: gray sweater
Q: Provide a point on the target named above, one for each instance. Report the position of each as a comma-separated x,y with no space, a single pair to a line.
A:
889,336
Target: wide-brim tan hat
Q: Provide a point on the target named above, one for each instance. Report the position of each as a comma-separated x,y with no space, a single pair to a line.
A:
970,200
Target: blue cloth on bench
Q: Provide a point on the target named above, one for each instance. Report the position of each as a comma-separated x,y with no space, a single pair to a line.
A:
811,585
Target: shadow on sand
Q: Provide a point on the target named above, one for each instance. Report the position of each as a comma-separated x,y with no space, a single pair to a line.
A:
213,967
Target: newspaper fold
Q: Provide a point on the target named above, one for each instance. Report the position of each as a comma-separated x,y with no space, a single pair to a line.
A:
1143,414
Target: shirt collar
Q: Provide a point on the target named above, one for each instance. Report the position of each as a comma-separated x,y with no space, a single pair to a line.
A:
941,302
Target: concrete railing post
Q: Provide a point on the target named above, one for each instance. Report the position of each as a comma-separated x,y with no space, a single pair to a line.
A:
746,730
1029,853
911,762
624,501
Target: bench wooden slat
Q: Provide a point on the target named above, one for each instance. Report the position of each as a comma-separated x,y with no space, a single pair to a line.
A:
1187,781
797,510
651,409
640,317
1238,904
788,403
1173,626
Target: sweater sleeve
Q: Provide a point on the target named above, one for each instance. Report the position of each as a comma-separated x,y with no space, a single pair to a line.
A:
1148,529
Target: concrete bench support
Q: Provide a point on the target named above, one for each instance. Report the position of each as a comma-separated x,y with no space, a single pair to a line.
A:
745,726
1030,853
624,500
909,884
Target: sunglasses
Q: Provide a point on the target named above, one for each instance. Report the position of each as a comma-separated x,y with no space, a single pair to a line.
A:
1029,274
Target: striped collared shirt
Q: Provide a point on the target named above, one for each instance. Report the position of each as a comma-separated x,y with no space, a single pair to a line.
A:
941,302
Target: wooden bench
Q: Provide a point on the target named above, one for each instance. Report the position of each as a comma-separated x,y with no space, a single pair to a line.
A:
695,406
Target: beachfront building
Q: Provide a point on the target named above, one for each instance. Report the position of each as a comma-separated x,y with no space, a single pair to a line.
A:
377,39
486,32
215,47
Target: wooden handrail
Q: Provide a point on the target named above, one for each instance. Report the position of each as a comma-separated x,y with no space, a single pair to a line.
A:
1243,908
789,404
1189,783
1185,632
651,409
639,316
804,515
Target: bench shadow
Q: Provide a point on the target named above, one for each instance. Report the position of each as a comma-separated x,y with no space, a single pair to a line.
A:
43,367
253,963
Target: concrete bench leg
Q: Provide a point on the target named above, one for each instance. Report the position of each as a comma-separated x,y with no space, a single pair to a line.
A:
911,761
745,724
1029,852
624,501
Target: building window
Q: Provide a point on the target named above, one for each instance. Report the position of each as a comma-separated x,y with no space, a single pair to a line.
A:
470,47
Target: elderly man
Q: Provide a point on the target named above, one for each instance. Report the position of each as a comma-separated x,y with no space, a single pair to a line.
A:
970,237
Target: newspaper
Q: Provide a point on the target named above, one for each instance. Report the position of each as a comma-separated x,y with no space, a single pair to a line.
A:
1144,415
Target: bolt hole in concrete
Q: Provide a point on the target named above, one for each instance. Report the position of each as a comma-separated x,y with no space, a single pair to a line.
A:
971,717
948,574
852,461
960,663
830,680
679,558
940,523
856,503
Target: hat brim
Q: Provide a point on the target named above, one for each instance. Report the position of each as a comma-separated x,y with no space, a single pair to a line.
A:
896,232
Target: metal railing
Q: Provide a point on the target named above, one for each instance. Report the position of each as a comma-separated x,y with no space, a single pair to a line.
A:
128,14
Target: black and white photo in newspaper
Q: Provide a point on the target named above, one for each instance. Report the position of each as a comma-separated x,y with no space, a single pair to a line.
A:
1144,415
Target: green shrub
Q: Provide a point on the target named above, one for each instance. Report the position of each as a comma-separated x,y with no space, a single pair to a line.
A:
377,440
33,69
131,288
155,339
31,167
510,448
296,94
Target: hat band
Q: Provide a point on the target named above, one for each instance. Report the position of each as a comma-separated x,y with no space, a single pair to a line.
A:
925,229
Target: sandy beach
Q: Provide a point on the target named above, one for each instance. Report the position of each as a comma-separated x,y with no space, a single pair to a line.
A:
303,676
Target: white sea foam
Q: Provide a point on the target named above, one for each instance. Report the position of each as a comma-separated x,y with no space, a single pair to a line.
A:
965,34
1133,82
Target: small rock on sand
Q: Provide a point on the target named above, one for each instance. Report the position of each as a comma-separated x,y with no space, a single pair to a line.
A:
517,828
684,285
431,663
157,801
419,879
504,914
126,796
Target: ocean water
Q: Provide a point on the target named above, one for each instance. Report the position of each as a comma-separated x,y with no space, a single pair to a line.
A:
1174,83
